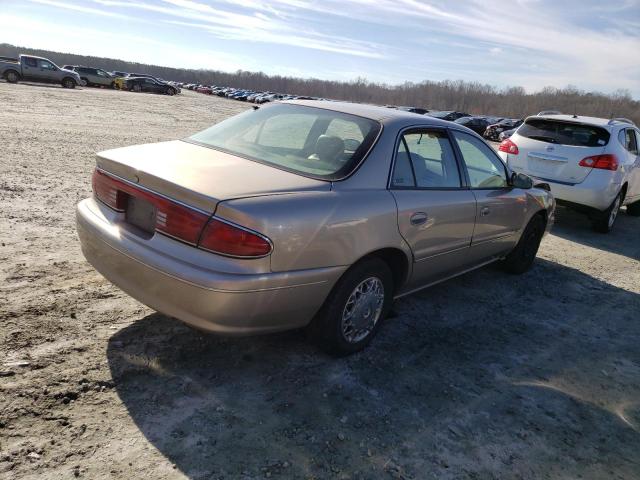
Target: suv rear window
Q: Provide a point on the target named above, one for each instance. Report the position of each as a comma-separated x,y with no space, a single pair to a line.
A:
310,141
564,133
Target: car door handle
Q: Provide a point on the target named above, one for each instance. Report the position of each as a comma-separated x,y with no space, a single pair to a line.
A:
418,218
485,211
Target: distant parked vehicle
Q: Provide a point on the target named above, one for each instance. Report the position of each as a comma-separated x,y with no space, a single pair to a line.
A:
418,110
493,131
591,164
37,69
448,115
144,84
477,124
94,77
506,134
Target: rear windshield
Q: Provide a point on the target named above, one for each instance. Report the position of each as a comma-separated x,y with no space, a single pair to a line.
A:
310,141
564,133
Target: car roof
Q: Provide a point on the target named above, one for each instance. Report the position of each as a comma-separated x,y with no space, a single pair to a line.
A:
373,112
595,121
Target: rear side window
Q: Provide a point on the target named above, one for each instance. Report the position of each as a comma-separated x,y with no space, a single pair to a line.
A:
564,133
30,62
631,141
432,159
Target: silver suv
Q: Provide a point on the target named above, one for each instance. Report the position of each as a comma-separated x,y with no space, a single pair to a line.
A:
591,164
93,77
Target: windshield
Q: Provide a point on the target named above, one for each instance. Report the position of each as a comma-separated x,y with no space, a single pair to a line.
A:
564,133
310,141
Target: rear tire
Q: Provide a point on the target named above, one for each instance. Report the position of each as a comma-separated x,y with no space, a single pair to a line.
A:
12,76
633,209
354,310
522,256
603,222
113,85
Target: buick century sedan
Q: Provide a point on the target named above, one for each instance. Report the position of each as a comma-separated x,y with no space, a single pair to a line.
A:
306,214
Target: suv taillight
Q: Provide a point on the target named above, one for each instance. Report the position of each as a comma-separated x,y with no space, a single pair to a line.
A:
508,146
182,222
227,239
605,162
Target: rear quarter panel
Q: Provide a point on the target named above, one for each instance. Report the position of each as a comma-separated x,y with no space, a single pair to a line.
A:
320,229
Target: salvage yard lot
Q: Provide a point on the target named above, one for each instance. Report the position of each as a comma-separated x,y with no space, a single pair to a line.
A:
484,376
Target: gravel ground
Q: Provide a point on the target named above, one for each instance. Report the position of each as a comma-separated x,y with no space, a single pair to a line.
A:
484,376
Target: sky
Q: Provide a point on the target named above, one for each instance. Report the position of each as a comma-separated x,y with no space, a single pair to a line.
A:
591,44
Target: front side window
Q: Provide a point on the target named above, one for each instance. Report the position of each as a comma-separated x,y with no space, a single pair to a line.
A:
430,158
310,141
46,65
485,169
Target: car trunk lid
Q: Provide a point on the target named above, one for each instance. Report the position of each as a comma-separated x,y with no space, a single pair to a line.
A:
198,176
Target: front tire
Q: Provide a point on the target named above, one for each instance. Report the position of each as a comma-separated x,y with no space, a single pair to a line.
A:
603,222
171,92
522,256
113,85
354,310
69,83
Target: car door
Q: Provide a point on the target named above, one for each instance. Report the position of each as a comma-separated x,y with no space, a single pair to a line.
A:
30,69
103,78
436,211
47,71
500,208
630,139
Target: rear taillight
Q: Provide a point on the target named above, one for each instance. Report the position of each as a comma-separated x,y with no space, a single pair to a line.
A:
605,162
182,222
508,146
226,239
106,190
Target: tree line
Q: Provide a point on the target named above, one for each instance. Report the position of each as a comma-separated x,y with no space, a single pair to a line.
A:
472,97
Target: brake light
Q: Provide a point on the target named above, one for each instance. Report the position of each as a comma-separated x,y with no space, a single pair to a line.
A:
226,239
106,190
605,162
509,147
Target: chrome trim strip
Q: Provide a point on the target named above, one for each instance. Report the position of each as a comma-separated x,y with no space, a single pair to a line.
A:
404,294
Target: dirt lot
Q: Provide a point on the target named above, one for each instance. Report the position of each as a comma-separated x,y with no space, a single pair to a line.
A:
484,376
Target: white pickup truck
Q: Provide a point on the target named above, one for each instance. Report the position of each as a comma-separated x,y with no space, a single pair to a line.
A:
36,69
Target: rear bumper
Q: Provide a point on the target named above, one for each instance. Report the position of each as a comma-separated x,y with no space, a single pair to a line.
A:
597,191
221,302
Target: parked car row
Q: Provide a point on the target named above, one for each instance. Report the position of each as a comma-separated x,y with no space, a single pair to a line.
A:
38,69
244,94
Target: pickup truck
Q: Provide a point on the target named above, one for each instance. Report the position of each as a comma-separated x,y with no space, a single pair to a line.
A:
36,69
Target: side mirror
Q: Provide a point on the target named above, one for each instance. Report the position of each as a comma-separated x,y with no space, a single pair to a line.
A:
520,180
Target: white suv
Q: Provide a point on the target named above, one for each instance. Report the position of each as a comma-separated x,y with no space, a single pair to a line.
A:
591,164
